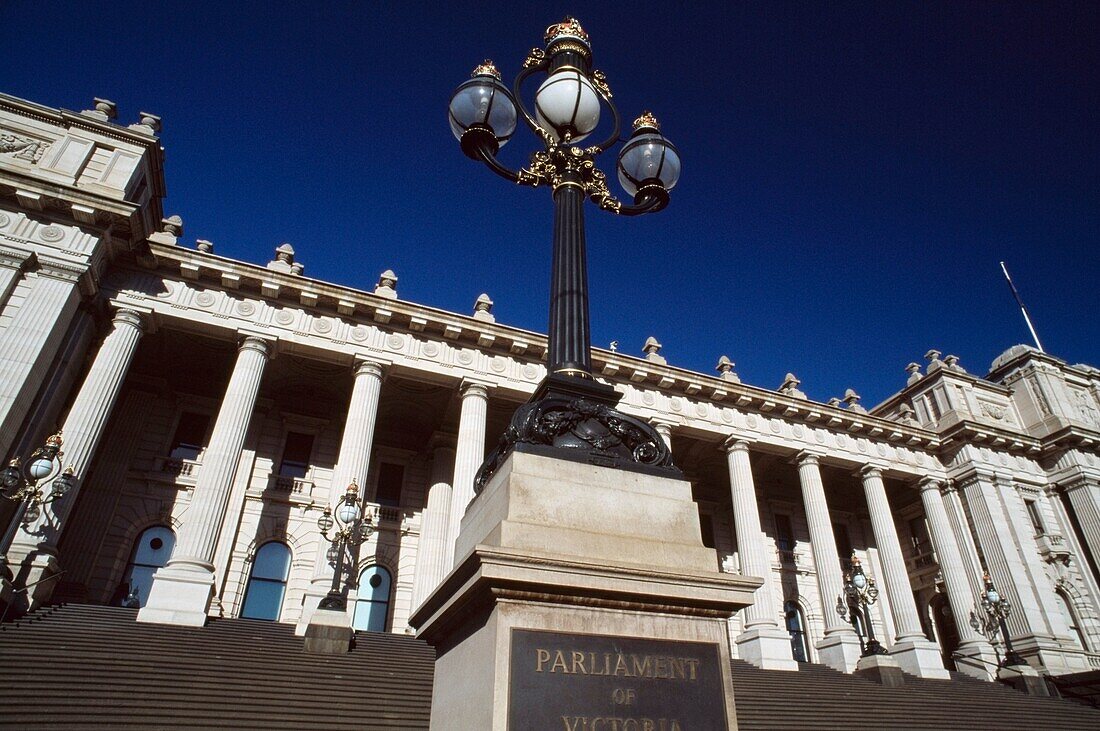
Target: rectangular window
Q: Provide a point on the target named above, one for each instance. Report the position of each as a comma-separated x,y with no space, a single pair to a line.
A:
784,536
390,477
296,453
190,436
1036,517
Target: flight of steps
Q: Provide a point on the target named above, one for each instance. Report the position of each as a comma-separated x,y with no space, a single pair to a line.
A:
819,697
83,666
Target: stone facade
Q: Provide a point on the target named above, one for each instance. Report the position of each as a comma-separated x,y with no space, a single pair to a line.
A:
135,343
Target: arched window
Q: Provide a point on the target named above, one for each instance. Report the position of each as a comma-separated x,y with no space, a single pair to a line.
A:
152,549
373,606
263,599
1071,620
796,628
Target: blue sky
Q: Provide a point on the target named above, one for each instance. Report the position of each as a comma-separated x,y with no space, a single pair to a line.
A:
853,172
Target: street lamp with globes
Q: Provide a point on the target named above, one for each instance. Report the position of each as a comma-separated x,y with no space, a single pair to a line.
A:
351,529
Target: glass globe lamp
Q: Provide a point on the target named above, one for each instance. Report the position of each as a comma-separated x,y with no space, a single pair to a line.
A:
648,158
347,513
859,580
567,103
40,468
482,109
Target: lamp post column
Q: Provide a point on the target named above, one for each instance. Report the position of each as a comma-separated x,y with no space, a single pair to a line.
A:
913,651
83,428
839,648
762,643
975,656
468,456
182,590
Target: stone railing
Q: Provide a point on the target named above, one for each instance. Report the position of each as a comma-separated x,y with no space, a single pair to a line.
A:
174,469
1052,546
290,485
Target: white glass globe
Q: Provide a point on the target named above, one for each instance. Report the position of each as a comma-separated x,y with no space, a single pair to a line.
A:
648,156
483,100
566,102
859,580
993,596
40,468
348,513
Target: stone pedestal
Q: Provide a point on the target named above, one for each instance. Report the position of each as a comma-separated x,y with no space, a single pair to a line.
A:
581,593
882,669
180,595
328,632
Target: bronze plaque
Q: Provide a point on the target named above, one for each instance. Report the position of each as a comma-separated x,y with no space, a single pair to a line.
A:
576,682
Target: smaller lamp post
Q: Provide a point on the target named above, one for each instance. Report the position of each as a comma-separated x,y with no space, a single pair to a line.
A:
995,609
860,593
352,528
20,482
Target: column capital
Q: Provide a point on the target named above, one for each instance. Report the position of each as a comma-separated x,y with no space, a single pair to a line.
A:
869,470
736,443
366,367
135,318
469,387
263,346
929,483
806,456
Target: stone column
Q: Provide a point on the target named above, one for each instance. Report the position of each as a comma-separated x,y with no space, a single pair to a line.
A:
182,590
12,265
839,648
664,429
762,642
29,342
1084,496
913,651
431,551
469,454
352,464
1002,557
975,656
36,544
956,515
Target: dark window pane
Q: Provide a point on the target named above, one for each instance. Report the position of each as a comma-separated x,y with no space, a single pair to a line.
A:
390,477
263,600
784,540
296,453
843,544
190,436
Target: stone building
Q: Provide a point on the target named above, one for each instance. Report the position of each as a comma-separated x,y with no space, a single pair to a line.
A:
212,408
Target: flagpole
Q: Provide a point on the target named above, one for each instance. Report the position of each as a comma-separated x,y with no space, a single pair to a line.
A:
1023,309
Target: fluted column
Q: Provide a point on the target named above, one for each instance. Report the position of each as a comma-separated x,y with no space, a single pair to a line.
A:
82,432
974,651
840,647
762,642
431,552
664,429
29,342
182,590
469,454
1084,497
913,651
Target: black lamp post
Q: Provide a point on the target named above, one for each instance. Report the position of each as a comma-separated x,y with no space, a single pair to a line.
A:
352,528
860,593
20,481
995,609
571,414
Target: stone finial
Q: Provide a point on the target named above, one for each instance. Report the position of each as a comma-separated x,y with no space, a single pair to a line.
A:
790,386
725,370
104,110
834,401
387,285
951,362
934,362
613,346
148,123
652,350
206,247
284,260
171,229
851,401
483,308
913,369
297,268
906,415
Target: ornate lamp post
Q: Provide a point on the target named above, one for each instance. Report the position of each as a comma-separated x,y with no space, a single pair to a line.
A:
352,528
571,414
860,593
995,609
20,482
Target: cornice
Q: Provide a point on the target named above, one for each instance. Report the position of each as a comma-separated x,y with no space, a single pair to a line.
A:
66,118
227,274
